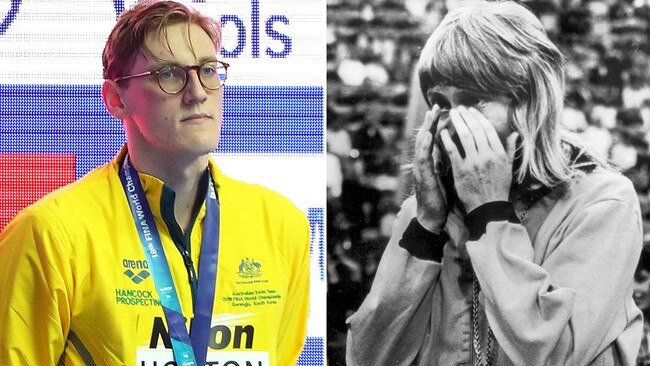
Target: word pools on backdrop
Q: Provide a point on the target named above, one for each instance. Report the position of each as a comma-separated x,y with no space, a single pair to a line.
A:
271,33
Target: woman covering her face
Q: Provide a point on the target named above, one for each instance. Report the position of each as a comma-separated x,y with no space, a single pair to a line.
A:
518,246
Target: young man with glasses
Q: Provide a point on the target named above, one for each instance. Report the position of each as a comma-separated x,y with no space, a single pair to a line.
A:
157,256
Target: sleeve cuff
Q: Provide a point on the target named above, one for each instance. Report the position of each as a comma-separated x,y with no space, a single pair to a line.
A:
477,220
421,243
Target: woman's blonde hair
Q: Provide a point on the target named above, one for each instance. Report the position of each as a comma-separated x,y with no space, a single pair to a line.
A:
501,49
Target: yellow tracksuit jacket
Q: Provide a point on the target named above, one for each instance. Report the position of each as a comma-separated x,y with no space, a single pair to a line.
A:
75,288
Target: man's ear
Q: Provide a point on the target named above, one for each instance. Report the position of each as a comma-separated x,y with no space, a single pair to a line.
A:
112,97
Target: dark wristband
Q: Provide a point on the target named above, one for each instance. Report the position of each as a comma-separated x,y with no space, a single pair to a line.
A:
421,243
477,220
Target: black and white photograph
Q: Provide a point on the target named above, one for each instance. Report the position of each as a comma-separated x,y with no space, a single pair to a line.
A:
488,182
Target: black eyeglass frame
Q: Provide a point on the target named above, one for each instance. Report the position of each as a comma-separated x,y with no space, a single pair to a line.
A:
186,69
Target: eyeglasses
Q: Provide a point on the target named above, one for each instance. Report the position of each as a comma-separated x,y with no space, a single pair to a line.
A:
173,78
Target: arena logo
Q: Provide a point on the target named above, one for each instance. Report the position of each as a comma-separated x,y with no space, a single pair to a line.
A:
142,265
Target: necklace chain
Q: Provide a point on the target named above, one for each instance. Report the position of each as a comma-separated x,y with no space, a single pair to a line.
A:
476,288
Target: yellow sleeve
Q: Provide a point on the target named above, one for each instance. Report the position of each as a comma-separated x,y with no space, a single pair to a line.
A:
293,325
34,295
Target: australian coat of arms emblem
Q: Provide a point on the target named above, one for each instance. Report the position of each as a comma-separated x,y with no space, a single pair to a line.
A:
249,268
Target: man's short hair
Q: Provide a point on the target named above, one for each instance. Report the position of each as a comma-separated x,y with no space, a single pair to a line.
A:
501,49
128,36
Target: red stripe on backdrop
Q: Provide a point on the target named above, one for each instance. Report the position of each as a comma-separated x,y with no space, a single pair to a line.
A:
24,178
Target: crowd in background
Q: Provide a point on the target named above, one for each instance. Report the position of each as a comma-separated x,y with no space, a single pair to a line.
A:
372,48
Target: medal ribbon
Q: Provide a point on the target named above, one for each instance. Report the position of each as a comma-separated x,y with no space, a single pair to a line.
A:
190,349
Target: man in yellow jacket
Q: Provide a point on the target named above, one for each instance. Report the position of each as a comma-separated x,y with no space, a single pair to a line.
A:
157,256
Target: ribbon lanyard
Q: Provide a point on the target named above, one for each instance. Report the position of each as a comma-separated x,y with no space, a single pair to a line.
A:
190,349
